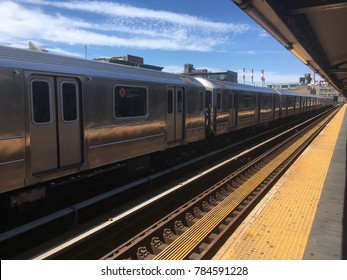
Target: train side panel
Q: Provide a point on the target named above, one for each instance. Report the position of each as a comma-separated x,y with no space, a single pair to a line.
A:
266,107
291,105
298,105
54,125
221,109
62,115
194,116
247,109
123,119
228,105
276,105
12,130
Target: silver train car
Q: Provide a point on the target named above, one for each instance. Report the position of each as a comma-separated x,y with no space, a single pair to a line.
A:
63,115
236,106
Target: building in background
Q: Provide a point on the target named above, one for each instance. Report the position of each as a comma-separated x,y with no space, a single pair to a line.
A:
308,85
229,76
130,60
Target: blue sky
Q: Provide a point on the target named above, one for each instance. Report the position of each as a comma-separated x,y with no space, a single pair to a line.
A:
215,35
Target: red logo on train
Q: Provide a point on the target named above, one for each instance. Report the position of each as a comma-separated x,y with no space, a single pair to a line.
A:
122,92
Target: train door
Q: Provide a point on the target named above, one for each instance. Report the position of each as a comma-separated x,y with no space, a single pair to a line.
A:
235,106
208,113
231,108
256,105
175,114
273,106
69,122
208,99
55,123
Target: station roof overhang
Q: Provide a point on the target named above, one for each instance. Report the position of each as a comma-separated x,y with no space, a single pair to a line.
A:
315,31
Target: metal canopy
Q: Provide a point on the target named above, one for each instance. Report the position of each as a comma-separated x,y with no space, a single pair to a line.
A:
313,30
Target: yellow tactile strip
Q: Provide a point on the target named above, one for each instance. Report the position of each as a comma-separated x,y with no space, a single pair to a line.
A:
184,244
280,226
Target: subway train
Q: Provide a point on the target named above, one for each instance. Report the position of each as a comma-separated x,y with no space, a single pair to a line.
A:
62,115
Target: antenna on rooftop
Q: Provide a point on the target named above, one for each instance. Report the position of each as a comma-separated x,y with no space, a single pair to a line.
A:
252,77
262,78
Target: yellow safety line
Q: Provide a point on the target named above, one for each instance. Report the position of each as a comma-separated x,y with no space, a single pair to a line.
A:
280,226
183,246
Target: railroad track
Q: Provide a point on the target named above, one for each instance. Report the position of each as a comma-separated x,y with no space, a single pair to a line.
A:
198,228
93,243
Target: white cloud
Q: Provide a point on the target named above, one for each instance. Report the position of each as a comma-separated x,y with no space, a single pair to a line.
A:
63,52
109,24
275,77
127,11
264,34
249,52
173,69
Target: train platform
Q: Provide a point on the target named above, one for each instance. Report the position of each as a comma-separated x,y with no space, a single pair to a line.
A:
303,216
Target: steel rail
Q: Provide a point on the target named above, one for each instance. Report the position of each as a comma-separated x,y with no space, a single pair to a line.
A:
201,232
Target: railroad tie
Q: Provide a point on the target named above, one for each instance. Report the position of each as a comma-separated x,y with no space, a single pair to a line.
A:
185,244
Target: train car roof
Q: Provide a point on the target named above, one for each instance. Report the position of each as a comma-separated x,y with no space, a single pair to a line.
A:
215,84
294,93
291,93
42,61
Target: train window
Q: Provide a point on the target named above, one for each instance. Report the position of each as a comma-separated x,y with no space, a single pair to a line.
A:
201,101
208,99
277,102
266,101
170,101
227,100
179,101
246,101
41,102
130,101
219,100
298,102
291,101
69,101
